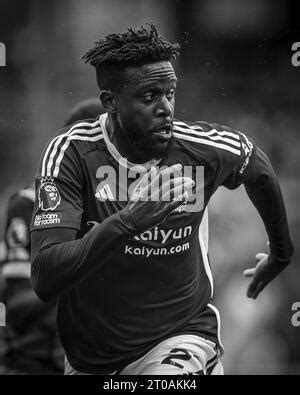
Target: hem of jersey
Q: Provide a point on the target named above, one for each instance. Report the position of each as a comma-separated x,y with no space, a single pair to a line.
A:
118,368
217,314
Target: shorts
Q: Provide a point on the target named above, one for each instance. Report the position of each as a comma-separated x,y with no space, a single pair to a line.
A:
178,355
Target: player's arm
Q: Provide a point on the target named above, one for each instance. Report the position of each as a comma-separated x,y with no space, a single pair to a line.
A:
60,261
250,166
264,191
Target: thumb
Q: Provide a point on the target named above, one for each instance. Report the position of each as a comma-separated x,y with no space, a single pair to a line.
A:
249,272
260,256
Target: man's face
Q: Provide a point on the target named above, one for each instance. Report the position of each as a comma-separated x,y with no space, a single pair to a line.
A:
145,109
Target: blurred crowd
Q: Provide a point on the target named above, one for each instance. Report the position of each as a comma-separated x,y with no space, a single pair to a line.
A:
235,69
29,343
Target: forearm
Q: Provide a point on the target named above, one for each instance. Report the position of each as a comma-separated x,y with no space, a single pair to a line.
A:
58,268
264,191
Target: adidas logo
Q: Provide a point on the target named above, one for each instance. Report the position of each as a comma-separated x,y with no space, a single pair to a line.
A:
104,193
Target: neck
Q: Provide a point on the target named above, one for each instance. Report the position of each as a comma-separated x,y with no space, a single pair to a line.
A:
120,140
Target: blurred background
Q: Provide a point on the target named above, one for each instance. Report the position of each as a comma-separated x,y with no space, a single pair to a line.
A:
235,68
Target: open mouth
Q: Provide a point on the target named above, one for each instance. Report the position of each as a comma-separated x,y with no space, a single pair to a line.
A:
164,132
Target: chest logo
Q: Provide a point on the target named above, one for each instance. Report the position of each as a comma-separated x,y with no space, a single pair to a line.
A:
104,193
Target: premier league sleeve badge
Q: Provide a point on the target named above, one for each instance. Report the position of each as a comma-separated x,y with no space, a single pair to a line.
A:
48,195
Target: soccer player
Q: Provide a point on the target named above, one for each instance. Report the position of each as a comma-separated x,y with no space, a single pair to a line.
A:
115,230
30,337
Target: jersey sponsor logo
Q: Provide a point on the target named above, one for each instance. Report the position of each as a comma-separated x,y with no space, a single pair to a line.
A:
149,251
48,195
47,219
163,235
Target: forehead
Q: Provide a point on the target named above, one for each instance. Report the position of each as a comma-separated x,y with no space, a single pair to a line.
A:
150,74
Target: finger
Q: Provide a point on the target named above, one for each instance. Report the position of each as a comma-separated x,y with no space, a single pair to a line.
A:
249,272
260,256
177,192
166,176
171,171
252,287
255,287
171,189
258,289
175,203
167,189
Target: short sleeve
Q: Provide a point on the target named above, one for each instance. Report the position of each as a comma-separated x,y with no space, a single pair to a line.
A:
58,186
234,157
240,171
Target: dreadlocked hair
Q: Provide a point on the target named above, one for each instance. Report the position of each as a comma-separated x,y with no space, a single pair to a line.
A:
111,55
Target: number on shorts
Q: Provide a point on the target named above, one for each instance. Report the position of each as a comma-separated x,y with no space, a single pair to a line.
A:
177,353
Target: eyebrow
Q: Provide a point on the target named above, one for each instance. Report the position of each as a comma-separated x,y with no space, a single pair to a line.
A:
152,84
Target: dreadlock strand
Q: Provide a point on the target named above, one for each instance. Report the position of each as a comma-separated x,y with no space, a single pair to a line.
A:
134,47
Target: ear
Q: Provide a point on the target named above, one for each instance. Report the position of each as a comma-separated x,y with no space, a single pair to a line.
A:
108,101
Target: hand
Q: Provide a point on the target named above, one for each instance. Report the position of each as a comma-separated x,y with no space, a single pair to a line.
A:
156,196
265,271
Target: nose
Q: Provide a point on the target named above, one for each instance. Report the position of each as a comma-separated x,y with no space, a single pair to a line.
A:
165,108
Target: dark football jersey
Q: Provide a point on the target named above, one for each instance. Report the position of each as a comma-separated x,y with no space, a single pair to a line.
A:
158,284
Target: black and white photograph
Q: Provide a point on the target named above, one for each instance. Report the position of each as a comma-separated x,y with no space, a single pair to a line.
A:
150,182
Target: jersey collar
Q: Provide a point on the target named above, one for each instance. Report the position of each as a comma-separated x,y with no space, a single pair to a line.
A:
136,167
